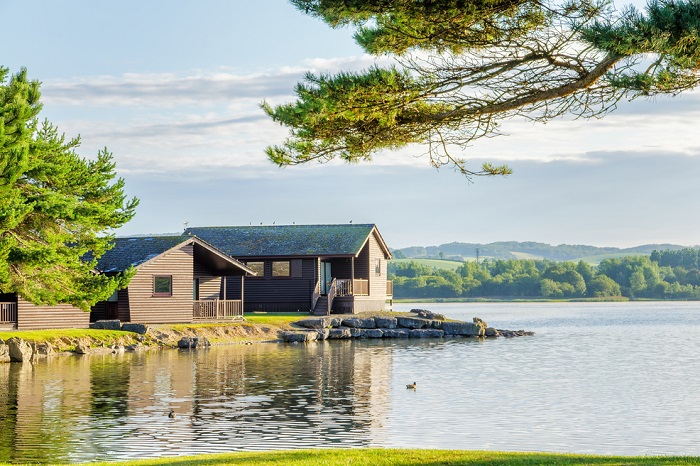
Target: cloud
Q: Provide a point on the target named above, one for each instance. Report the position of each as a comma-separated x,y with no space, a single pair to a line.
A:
168,90
211,122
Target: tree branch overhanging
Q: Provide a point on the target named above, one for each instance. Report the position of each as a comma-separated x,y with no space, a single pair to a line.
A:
541,61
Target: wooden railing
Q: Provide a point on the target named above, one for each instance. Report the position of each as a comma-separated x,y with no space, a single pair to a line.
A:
215,309
332,292
349,287
315,295
8,313
360,287
344,287
389,288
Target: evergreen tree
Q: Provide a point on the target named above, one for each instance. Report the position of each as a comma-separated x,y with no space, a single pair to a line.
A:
56,208
462,67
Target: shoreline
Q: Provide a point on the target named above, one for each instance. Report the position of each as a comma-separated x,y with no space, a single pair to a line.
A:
405,457
30,345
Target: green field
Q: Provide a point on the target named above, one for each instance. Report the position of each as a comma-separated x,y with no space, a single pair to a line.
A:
437,263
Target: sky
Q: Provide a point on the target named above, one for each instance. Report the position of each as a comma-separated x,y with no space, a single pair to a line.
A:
173,89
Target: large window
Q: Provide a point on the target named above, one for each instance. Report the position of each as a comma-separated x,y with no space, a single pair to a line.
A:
281,269
258,268
163,285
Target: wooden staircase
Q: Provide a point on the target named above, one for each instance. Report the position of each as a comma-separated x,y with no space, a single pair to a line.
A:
321,308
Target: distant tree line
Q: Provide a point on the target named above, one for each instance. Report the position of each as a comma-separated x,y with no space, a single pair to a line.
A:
663,275
510,249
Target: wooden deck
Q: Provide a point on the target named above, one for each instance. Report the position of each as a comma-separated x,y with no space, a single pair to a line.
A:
217,309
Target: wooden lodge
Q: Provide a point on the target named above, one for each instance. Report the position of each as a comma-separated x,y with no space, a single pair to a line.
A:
178,279
215,273
319,268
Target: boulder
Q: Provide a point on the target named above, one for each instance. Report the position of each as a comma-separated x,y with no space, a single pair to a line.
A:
323,333
462,328
491,332
336,322
410,322
338,333
480,323
193,342
299,336
356,322
315,322
395,333
141,329
82,348
19,350
425,314
385,322
357,332
117,349
514,333
107,325
426,333
374,333
44,349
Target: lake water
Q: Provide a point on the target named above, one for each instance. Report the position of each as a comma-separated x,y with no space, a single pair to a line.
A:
619,378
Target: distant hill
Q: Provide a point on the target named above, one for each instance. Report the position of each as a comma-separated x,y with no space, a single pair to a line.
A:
527,250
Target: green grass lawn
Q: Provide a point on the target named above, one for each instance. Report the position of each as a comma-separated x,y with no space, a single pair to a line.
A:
437,263
48,335
274,318
381,457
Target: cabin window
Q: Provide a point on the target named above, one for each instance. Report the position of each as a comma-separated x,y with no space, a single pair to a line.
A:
258,267
114,297
281,269
378,267
163,285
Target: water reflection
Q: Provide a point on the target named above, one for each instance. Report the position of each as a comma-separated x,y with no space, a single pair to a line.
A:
604,378
229,398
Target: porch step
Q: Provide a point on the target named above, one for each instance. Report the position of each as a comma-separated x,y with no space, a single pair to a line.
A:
321,306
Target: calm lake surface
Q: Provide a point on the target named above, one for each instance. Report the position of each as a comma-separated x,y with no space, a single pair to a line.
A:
619,378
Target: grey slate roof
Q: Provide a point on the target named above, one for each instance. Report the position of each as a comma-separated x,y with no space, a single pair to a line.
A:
136,250
286,240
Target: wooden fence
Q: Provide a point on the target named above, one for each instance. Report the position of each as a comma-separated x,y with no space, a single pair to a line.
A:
215,309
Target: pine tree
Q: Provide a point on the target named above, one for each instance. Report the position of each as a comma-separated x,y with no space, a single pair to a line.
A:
462,67
57,210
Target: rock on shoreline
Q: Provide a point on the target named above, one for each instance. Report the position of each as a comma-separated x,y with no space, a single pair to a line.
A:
422,324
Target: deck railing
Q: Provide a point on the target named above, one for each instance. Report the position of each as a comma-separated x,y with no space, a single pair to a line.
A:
215,309
344,287
315,295
332,293
8,313
389,288
349,287
360,287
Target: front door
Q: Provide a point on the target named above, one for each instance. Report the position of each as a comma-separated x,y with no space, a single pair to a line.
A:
326,276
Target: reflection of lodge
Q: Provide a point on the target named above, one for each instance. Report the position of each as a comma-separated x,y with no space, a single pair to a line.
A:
244,397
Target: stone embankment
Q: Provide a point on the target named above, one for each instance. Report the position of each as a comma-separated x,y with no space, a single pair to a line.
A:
421,324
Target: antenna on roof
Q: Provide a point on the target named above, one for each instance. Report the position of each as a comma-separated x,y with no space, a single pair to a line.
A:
186,223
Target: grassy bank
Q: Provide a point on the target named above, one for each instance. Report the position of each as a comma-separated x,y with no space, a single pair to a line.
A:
256,327
377,456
